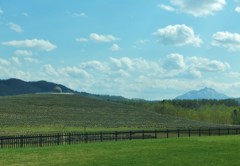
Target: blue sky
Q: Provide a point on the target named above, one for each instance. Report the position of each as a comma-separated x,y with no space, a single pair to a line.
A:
155,49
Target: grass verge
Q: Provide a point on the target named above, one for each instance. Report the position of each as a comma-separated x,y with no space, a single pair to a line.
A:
222,150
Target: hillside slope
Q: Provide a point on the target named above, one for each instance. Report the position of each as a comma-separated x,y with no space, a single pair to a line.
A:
52,110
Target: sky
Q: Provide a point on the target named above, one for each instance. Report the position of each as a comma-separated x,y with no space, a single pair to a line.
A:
150,49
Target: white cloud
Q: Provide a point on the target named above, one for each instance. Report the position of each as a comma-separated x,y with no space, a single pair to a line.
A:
25,14
142,41
207,65
21,75
124,63
50,70
174,61
4,62
237,9
71,72
199,8
79,14
98,38
95,65
74,72
15,27
23,53
191,67
31,60
13,71
178,35
134,73
43,45
194,72
115,47
102,38
166,7
123,73
72,76
16,60
228,40
81,40
234,74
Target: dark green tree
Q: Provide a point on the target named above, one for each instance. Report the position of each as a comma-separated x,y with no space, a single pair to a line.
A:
236,117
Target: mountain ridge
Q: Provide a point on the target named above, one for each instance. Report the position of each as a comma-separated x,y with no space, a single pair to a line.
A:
15,86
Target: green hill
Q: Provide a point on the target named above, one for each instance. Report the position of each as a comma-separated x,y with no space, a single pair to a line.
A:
61,111
15,86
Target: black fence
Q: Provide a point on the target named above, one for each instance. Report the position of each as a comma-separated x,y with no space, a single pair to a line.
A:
41,140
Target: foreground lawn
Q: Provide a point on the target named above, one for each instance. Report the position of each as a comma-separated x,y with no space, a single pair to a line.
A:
222,150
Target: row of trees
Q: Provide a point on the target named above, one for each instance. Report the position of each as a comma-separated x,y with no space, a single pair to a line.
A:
214,111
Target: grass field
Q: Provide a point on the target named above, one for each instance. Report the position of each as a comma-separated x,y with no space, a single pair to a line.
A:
207,151
52,112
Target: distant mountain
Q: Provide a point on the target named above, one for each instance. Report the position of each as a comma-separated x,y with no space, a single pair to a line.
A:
205,93
16,87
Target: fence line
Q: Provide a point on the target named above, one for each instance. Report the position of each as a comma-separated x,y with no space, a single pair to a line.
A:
41,140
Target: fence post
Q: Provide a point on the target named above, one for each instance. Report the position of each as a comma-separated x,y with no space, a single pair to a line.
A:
40,141
116,135
69,138
167,133
101,136
199,132
86,137
155,134
228,131
21,141
236,131
219,131
189,132
130,135
58,138
209,131
143,136
178,133
1,142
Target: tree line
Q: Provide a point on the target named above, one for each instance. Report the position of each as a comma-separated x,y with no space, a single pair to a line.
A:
213,111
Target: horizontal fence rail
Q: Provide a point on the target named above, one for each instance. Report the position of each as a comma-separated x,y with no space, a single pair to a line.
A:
41,140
